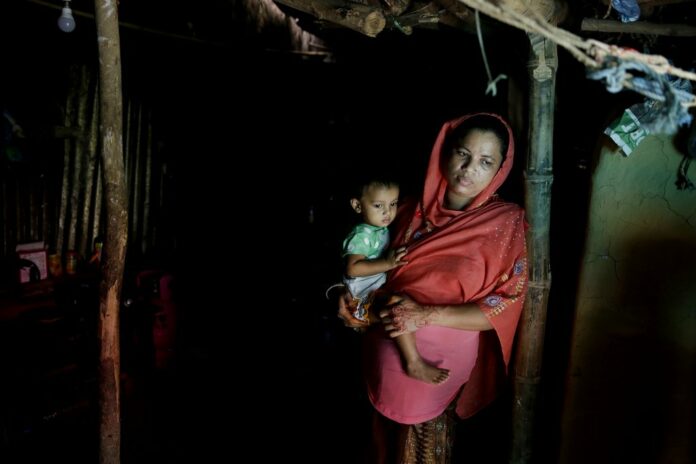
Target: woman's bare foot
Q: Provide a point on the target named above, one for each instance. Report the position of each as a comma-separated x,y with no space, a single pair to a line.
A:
419,369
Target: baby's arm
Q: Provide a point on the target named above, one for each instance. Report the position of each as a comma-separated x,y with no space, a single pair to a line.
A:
361,266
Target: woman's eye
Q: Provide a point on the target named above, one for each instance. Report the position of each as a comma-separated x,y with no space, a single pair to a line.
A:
378,206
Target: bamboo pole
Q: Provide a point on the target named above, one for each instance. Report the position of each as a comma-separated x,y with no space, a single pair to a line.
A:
135,189
145,241
68,143
75,187
111,126
92,143
654,2
528,359
638,27
65,186
99,224
88,158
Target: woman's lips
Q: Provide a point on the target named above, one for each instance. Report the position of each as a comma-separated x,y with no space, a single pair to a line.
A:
463,181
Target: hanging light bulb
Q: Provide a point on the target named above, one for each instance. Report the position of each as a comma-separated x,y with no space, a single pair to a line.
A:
66,22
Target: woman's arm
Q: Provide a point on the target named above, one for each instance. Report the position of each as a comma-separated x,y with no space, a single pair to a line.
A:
406,315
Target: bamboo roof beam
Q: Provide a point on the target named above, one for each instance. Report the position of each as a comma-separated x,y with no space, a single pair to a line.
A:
638,27
368,20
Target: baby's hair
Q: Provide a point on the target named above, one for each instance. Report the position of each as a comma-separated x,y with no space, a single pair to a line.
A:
482,122
366,180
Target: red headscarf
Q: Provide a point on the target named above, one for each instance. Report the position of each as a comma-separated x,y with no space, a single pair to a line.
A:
477,255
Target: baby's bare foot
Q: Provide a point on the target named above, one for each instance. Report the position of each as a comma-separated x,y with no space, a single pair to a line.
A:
423,371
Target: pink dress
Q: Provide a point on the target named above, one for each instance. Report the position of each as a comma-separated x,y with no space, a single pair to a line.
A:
409,401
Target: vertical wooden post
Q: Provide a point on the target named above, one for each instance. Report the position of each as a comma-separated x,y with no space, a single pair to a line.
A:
543,63
111,128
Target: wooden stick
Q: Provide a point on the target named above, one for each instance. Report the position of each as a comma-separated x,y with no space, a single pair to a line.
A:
638,27
655,2
111,104
396,7
428,14
368,20
457,15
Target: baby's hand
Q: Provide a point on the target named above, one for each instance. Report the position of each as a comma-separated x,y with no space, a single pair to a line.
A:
395,257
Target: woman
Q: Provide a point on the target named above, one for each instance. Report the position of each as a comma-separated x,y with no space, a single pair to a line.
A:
461,292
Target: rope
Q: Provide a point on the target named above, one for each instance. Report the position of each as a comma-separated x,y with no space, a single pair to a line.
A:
492,86
592,53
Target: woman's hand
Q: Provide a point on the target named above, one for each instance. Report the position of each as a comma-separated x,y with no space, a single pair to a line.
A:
345,312
403,315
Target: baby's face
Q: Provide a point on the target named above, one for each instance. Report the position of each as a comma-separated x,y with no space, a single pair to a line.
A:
378,205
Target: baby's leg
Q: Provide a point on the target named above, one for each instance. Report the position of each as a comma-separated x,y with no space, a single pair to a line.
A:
413,363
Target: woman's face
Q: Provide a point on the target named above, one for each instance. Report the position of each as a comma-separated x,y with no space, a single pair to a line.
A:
474,161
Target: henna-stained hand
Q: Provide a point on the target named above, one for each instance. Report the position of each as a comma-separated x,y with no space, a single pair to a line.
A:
404,315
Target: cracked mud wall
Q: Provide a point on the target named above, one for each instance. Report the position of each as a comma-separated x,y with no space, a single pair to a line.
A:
632,376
